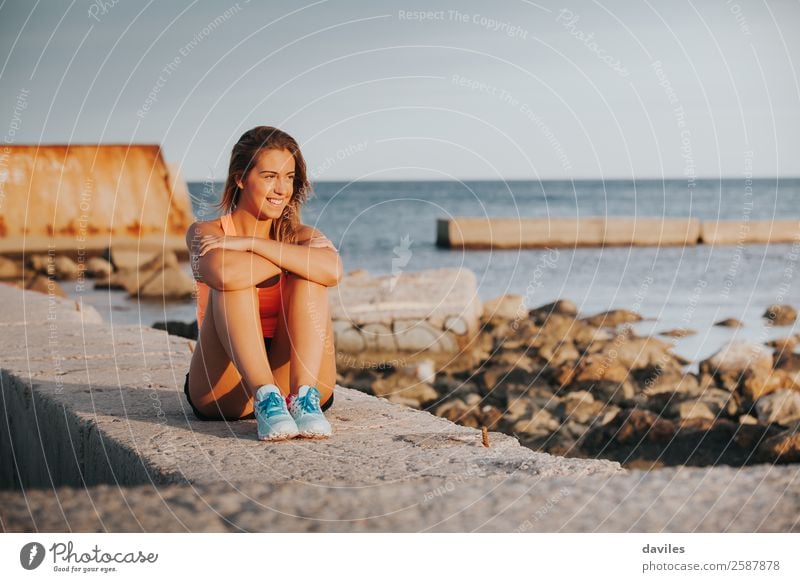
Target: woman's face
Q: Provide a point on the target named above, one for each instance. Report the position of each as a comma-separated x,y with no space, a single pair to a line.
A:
269,184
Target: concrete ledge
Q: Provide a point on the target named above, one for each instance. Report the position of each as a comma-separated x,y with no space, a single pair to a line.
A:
721,499
513,233
106,405
731,232
99,435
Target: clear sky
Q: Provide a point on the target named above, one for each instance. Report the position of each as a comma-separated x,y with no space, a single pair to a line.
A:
375,90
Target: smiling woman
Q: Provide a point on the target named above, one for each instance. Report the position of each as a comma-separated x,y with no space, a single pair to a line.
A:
262,274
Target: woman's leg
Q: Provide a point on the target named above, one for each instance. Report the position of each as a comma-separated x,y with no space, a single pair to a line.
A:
302,351
229,362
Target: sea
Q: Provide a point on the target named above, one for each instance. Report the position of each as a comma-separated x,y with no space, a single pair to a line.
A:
390,228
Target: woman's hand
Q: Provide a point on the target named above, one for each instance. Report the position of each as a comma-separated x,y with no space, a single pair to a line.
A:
231,243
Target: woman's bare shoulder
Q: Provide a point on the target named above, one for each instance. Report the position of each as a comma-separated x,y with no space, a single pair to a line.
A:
201,228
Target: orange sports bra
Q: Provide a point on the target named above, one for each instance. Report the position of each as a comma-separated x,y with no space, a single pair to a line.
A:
269,298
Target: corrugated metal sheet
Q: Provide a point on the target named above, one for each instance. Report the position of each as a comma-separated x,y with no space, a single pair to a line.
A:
90,197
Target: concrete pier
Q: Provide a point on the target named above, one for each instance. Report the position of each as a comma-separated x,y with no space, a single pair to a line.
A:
514,233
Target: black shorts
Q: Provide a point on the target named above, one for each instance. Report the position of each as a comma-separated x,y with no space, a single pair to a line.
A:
200,416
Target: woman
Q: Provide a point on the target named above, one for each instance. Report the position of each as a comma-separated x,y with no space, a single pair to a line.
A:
262,274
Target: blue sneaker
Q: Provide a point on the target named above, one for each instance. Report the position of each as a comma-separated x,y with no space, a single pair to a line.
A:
308,415
274,421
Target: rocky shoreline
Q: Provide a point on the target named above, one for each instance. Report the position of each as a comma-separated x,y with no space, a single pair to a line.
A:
582,387
591,388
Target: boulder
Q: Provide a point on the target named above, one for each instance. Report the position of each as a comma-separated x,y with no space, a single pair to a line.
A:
680,332
754,384
781,448
45,285
66,269
99,268
540,424
169,283
729,363
613,318
509,306
781,407
730,322
562,307
9,269
460,412
781,314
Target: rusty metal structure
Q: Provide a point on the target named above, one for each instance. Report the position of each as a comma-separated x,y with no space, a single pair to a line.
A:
89,198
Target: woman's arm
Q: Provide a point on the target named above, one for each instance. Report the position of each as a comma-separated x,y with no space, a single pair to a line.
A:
225,269
314,257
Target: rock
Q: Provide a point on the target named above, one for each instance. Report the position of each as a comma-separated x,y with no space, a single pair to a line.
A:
416,336
420,371
558,352
401,386
347,338
787,361
730,322
178,328
754,384
748,419
781,314
449,387
654,380
43,284
613,318
508,358
160,261
581,407
509,306
540,424
491,416
99,268
605,378
632,426
784,344
555,327
636,353
781,448
379,338
680,332
594,368
66,269
9,269
127,280
41,264
457,325
562,307
170,283
697,408
781,407
460,412
733,359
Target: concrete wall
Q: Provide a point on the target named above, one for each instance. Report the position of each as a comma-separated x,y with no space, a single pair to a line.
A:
512,233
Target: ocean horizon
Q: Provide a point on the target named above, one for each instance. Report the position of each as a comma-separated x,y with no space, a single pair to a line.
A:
379,225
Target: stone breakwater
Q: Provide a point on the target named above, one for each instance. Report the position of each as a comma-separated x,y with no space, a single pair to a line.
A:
589,387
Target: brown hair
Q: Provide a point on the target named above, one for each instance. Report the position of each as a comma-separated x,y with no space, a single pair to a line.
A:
243,157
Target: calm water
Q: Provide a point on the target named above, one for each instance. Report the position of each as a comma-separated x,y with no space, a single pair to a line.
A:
376,223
